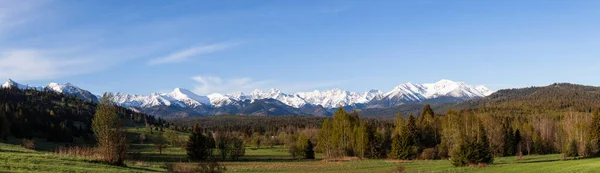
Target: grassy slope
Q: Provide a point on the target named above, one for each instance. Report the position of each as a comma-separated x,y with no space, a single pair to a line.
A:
14,158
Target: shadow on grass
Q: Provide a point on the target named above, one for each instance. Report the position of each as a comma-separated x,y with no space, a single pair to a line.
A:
155,157
123,166
528,160
267,158
13,151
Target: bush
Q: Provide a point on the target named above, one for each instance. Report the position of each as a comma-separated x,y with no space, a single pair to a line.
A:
29,144
293,150
571,150
429,154
86,152
399,169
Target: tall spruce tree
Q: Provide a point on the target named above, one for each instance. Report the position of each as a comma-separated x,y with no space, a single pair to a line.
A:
4,125
309,153
198,146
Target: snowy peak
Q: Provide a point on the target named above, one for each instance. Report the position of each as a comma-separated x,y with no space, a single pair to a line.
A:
71,89
219,100
183,99
443,89
188,97
454,89
12,84
332,98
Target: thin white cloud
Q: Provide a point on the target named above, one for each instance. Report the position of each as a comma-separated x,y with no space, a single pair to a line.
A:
14,13
186,54
211,84
38,65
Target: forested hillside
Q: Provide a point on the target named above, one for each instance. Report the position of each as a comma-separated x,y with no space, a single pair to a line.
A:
53,116
558,97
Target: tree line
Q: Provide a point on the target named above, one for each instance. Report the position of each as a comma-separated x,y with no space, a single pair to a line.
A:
55,117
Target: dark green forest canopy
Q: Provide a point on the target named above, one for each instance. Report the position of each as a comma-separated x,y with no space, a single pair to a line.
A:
56,117
549,100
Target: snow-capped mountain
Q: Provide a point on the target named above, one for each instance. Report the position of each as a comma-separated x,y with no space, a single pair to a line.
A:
71,89
182,102
178,97
10,84
332,98
441,91
67,88
188,97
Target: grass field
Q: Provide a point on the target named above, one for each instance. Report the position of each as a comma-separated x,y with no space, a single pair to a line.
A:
14,158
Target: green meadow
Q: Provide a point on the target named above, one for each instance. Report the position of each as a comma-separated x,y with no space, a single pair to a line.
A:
14,158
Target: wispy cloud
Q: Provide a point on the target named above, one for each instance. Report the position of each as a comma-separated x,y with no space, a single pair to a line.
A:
212,84
37,65
17,12
186,54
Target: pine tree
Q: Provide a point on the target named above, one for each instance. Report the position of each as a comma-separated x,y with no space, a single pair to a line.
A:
483,148
509,143
401,148
4,126
412,132
571,150
518,143
198,146
309,153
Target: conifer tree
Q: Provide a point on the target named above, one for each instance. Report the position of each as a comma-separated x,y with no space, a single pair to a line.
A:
484,153
412,132
198,146
309,153
4,125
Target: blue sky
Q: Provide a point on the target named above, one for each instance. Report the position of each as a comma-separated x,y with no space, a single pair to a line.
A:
147,46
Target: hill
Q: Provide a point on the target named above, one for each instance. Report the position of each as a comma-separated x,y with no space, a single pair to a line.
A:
54,116
558,97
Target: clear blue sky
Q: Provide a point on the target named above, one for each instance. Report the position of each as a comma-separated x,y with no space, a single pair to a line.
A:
145,46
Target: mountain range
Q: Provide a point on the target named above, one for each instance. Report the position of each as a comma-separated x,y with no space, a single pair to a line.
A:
182,102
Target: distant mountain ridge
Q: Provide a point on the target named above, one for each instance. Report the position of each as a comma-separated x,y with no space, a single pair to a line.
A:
181,102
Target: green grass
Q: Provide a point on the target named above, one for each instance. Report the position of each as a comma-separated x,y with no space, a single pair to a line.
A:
14,158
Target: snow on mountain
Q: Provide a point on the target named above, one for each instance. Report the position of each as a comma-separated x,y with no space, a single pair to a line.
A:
219,100
141,101
454,89
71,89
10,84
370,95
401,94
188,97
290,100
408,92
332,98
415,93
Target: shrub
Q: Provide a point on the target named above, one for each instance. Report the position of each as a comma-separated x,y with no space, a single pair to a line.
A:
79,151
571,150
429,154
293,150
29,144
399,169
